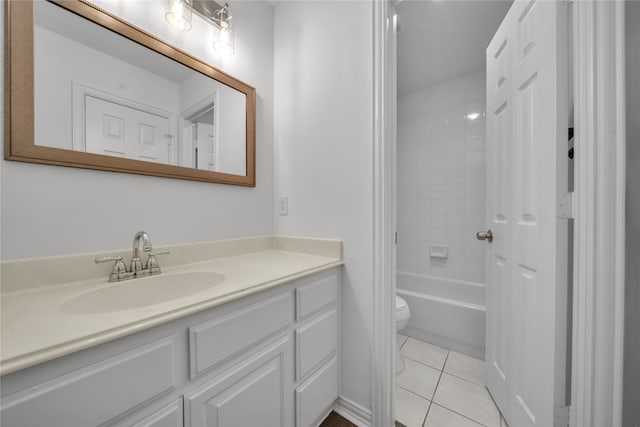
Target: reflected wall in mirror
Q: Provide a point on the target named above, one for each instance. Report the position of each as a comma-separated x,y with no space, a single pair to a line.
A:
89,90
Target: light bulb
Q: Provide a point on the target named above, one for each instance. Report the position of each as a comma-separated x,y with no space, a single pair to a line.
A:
224,44
179,14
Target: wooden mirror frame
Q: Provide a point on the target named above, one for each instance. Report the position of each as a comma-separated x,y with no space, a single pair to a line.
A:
19,143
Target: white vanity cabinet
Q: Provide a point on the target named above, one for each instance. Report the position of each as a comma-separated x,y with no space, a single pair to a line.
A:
266,359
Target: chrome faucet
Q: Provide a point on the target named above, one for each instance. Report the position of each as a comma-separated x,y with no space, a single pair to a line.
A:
151,267
140,237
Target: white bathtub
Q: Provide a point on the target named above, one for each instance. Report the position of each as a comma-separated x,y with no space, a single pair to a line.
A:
446,312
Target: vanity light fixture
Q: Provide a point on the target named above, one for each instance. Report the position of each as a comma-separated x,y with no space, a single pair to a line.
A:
224,41
179,14
473,116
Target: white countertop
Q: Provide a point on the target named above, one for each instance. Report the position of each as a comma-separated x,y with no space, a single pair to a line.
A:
36,326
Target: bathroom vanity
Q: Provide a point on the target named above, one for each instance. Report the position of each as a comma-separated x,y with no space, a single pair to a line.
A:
259,347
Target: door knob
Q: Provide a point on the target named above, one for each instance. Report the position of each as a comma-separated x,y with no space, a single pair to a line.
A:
482,235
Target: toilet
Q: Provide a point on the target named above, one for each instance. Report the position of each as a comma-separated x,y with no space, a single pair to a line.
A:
402,318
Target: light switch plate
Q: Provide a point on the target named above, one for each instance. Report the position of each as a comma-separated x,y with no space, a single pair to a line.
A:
284,205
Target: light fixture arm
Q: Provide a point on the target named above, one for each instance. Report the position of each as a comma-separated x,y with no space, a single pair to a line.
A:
221,16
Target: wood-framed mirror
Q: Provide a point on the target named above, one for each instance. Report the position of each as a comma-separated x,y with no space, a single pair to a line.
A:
85,89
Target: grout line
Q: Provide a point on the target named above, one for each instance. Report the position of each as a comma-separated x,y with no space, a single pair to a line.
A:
458,413
427,414
413,392
404,343
442,372
466,416
440,377
435,388
424,364
465,379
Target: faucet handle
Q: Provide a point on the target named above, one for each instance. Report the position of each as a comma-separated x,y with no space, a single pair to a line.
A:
117,259
160,252
152,263
119,270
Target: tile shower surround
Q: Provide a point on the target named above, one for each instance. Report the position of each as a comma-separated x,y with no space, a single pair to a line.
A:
441,179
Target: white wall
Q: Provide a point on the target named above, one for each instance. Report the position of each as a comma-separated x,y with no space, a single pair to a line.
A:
229,123
324,153
49,210
441,179
631,408
60,62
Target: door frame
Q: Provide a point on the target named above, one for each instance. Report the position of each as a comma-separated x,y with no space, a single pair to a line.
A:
599,237
384,215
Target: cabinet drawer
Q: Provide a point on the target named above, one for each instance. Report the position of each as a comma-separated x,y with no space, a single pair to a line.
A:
215,341
97,393
169,416
315,396
318,294
316,342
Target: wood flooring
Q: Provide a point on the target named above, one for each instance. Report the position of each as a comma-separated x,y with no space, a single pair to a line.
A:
335,420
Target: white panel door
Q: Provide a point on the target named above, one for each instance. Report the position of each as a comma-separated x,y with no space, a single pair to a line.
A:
118,130
527,173
206,147
500,216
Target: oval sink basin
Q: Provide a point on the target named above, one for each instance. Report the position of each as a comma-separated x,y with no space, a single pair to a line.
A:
142,292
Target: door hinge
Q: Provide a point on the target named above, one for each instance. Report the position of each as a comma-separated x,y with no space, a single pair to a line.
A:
561,415
566,208
396,238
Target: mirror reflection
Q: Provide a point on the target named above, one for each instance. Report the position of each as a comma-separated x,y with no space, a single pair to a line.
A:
98,92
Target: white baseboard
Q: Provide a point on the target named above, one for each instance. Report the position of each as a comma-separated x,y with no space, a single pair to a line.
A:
357,414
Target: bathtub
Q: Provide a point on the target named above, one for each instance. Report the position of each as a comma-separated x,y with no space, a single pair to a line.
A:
446,312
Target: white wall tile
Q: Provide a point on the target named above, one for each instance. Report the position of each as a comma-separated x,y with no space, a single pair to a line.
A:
456,175
456,190
445,205
456,205
456,145
474,142
438,220
437,177
474,158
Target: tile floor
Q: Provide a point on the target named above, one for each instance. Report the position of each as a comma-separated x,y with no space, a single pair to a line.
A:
442,388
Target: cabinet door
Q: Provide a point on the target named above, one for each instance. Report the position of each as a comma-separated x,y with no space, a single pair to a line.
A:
96,394
252,394
316,396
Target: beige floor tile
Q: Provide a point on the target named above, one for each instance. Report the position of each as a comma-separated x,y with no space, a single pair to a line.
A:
463,366
424,352
410,408
418,378
442,417
468,399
